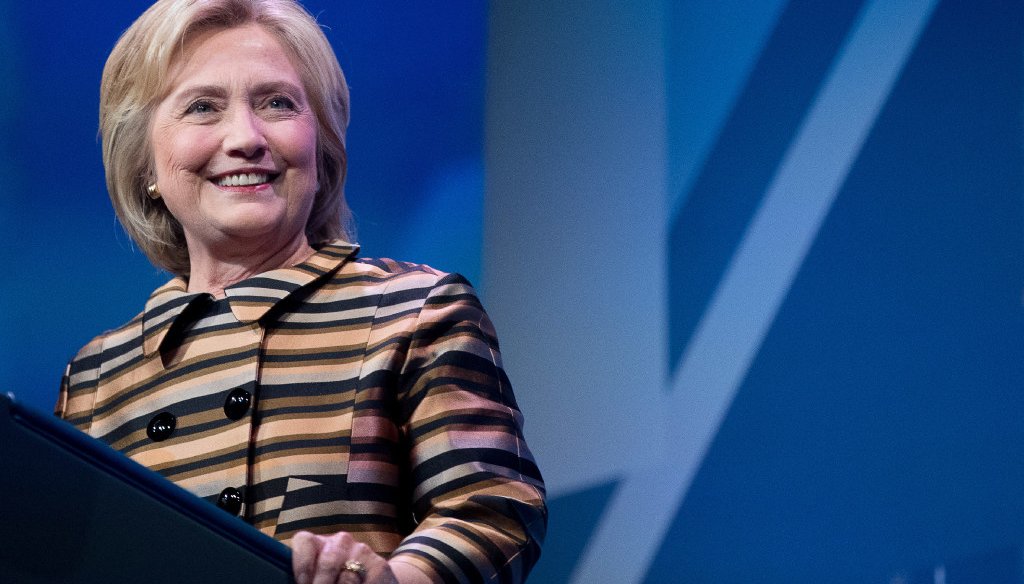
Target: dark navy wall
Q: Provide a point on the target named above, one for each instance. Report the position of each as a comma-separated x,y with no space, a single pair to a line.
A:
879,429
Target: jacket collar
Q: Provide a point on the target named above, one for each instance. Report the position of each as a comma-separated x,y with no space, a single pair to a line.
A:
249,299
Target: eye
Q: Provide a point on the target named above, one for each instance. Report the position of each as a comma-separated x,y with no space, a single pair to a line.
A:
281,102
200,106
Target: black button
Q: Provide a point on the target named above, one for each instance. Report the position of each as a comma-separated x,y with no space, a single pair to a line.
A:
237,403
230,500
161,426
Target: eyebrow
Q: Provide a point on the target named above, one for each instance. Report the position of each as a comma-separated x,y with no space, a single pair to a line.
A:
261,88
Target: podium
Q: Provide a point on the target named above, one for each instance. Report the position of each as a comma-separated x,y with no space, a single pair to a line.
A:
74,511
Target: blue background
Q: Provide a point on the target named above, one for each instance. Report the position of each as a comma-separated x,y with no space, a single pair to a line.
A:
597,169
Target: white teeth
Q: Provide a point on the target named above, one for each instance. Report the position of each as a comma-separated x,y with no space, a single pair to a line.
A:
243,180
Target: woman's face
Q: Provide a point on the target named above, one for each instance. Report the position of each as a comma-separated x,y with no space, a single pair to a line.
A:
234,143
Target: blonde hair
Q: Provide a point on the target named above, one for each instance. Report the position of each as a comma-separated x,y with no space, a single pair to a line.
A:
134,81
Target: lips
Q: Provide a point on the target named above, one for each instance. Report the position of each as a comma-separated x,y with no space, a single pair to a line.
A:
244,179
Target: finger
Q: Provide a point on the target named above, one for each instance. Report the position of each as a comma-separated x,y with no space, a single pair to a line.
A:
305,549
372,569
348,576
331,560
380,573
353,569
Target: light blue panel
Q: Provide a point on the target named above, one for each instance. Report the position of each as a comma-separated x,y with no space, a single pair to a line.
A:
574,221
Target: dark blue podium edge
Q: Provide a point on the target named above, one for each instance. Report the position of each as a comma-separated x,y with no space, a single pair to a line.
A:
107,460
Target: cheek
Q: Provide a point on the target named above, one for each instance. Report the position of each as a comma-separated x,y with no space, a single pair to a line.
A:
298,146
179,150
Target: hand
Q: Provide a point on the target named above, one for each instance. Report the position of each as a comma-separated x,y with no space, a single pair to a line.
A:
320,559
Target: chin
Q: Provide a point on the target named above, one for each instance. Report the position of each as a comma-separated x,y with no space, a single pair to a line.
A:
252,227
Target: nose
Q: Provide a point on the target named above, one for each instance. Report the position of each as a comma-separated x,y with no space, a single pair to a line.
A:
244,137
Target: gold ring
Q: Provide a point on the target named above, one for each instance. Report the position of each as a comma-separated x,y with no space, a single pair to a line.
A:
355,566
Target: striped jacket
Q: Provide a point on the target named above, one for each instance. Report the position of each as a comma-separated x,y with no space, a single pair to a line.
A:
340,394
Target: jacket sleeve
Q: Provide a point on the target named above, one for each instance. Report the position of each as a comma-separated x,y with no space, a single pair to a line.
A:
77,394
477,495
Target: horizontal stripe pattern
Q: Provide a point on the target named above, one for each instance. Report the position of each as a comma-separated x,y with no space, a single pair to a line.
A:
379,407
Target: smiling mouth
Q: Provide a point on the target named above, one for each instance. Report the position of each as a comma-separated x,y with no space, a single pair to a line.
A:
244,179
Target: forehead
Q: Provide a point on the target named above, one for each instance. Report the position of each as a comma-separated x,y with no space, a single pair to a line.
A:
223,54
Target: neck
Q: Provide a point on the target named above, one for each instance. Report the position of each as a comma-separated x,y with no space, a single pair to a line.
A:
212,272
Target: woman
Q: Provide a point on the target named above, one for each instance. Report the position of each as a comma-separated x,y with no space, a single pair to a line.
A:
355,409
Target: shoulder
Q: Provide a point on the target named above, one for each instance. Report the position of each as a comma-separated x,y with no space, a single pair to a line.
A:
81,376
409,289
389,269
118,340
122,342
396,275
